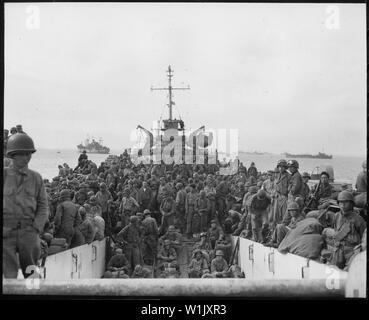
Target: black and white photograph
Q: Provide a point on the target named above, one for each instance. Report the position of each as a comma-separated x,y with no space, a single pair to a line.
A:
183,151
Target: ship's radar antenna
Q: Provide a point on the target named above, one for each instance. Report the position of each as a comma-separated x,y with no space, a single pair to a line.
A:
170,89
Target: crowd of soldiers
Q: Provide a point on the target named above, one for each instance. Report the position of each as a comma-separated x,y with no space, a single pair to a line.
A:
149,211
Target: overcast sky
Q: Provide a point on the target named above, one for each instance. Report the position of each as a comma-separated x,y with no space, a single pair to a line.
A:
288,77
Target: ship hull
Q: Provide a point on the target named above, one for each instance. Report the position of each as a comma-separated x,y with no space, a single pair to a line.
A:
94,151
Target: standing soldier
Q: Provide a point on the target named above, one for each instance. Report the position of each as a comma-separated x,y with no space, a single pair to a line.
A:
180,207
150,240
222,191
281,184
131,236
294,188
190,209
259,215
67,218
202,207
144,196
167,209
305,190
295,185
25,208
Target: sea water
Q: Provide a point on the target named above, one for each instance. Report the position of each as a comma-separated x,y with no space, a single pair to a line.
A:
46,161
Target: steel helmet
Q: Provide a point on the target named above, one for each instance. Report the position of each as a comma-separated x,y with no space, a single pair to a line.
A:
305,175
65,193
19,142
345,196
282,163
133,219
293,206
293,163
167,242
146,211
171,228
219,253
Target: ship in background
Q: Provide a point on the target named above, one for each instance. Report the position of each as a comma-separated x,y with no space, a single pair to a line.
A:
93,146
168,139
320,155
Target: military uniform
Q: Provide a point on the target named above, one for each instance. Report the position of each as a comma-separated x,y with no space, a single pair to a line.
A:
190,210
119,261
180,214
150,240
295,185
280,203
197,267
202,206
131,235
259,217
281,230
167,257
66,220
167,209
349,230
25,211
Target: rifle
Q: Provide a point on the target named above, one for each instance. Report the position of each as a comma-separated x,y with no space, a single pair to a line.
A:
313,197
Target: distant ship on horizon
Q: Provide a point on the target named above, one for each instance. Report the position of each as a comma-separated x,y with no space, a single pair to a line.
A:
93,147
320,155
255,153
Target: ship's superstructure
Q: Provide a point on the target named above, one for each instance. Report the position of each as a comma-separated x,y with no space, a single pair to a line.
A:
169,140
93,146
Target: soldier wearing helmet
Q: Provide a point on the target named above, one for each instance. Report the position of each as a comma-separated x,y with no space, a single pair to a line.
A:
129,206
103,196
25,208
281,229
173,236
218,266
167,256
349,228
295,184
252,171
180,207
131,235
144,196
150,237
305,190
259,205
282,183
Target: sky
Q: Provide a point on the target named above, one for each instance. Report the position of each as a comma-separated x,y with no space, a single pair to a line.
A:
288,77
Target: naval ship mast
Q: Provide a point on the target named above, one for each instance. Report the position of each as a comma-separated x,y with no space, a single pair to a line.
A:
170,123
173,129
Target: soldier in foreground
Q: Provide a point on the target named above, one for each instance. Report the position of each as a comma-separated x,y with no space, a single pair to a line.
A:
25,209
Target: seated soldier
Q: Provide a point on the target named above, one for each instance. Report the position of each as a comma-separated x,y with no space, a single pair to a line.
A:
224,243
281,229
141,272
118,266
173,236
218,267
349,228
204,246
198,265
167,257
